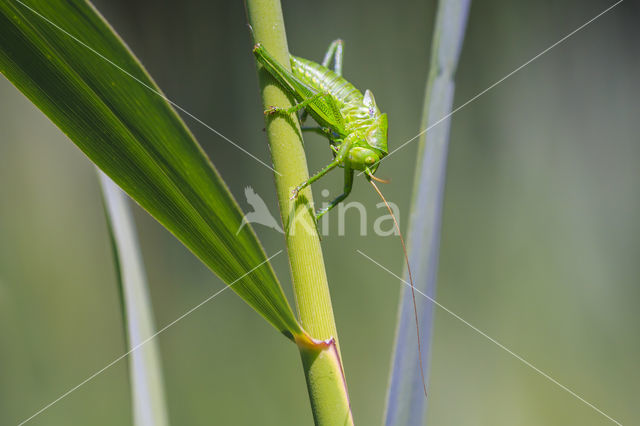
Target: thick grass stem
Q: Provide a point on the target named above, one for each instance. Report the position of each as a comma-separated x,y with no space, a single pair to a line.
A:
322,364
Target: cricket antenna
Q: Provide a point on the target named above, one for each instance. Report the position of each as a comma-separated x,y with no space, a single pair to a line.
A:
413,293
377,179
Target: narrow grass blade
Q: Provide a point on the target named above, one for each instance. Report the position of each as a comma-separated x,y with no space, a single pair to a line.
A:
67,60
406,403
145,370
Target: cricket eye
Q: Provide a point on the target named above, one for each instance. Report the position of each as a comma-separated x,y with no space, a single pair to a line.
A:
370,160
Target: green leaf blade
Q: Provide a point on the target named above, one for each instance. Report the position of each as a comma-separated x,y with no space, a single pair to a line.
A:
406,404
66,59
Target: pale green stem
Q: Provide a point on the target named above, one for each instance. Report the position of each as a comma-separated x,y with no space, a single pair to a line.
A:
322,365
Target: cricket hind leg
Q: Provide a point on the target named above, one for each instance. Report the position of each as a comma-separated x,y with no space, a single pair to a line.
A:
334,52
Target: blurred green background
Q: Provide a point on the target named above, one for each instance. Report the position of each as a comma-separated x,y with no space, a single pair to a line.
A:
540,237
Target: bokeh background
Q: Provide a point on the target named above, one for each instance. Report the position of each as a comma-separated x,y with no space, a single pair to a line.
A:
540,240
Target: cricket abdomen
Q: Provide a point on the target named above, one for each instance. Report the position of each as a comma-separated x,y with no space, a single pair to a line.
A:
325,80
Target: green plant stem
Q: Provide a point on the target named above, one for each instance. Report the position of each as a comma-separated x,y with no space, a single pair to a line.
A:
322,365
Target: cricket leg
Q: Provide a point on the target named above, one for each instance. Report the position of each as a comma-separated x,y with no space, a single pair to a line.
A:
323,131
322,103
348,184
340,157
335,51
274,109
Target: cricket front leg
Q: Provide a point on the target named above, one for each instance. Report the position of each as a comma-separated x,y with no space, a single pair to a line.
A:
332,165
322,131
274,109
348,184
340,157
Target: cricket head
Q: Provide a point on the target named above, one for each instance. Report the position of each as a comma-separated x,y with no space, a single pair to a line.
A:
363,159
371,146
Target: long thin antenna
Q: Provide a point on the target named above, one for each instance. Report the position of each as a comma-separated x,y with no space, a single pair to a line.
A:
377,179
413,293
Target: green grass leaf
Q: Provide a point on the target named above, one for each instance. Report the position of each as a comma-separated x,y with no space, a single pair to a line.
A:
67,60
406,404
145,370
